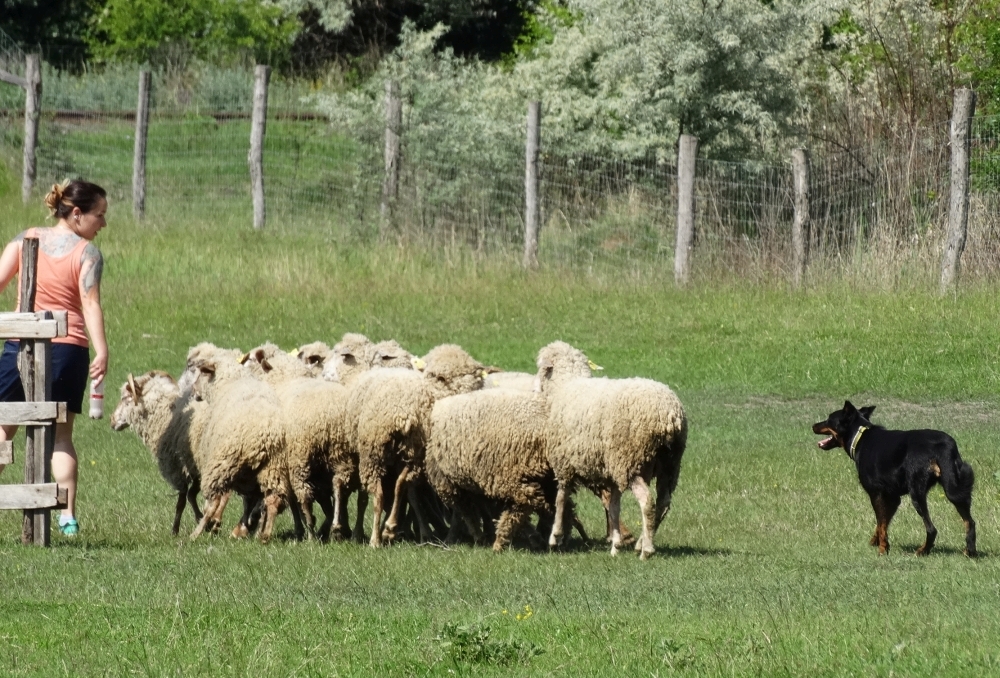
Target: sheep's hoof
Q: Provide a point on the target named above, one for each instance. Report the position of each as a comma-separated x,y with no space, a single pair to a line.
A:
644,554
614,550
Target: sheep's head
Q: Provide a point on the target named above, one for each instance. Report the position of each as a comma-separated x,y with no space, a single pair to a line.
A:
207,374
203,351
559,361
389,353
349,358
314,356
450,370
134,394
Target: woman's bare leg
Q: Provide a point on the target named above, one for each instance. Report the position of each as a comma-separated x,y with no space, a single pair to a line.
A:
64,466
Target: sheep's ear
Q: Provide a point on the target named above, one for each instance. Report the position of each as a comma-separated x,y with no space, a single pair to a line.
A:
491,370
545,363
593,366
132,386
243,359
266,366
206,368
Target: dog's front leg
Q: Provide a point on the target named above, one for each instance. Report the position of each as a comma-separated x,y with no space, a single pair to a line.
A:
885,508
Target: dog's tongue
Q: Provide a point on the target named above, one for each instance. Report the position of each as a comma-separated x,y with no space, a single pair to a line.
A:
824,442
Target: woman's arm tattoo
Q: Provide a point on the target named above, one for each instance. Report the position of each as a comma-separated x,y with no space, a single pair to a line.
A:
91,269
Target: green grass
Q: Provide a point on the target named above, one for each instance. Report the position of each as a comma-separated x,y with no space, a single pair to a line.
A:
763,565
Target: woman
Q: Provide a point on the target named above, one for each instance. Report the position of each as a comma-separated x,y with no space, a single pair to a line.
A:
68,279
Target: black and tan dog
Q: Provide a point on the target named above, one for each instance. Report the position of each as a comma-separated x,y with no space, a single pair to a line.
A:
893,463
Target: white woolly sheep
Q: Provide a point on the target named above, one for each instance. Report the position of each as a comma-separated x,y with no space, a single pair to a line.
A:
491,443
611,434
243,443
152,406
388,411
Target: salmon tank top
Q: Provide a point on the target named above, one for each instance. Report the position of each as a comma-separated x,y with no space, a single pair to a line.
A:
58,289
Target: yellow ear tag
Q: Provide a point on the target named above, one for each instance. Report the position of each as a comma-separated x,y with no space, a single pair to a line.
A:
418,364
594,366
243,358
294,352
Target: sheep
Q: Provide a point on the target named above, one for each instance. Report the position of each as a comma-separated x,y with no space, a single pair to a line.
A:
197,353
388,412
243,442
491,443
610,434
152,405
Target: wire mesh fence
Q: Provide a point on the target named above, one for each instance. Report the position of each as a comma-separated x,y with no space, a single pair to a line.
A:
882,211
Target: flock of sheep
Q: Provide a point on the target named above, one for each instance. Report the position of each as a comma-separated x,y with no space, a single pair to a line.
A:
445,447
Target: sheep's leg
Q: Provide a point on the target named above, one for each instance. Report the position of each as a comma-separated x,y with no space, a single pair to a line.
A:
414,498
211,504
378,496
250,518
359,520
392,522
508,525
339,504
179,511
272,504
325,502
216,519
614,517
627,537
192,497
644,545
557,524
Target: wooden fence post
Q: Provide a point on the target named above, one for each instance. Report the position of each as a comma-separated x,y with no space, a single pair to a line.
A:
958,208
532,208
393,150
687,154
34,363
139,155
800,222
258,124
32,112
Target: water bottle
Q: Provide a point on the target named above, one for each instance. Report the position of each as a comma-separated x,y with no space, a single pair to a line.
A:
97,400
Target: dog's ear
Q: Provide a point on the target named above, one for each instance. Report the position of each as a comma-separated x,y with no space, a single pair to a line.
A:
866,411
849,408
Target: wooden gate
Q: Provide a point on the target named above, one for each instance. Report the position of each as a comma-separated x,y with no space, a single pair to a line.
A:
37,497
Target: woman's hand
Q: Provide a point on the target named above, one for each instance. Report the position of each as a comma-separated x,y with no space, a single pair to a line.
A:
98,368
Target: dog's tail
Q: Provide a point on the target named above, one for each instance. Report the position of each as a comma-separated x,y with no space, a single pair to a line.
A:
958,481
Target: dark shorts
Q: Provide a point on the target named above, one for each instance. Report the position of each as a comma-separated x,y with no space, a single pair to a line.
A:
70,371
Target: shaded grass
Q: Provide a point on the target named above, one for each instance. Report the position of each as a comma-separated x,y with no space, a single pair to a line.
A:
763,565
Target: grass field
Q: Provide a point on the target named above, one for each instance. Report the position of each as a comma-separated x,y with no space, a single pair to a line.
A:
763,565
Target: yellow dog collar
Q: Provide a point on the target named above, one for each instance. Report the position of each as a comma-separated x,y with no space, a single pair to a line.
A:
854,443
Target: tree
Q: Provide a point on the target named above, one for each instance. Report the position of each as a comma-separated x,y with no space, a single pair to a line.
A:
55,27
